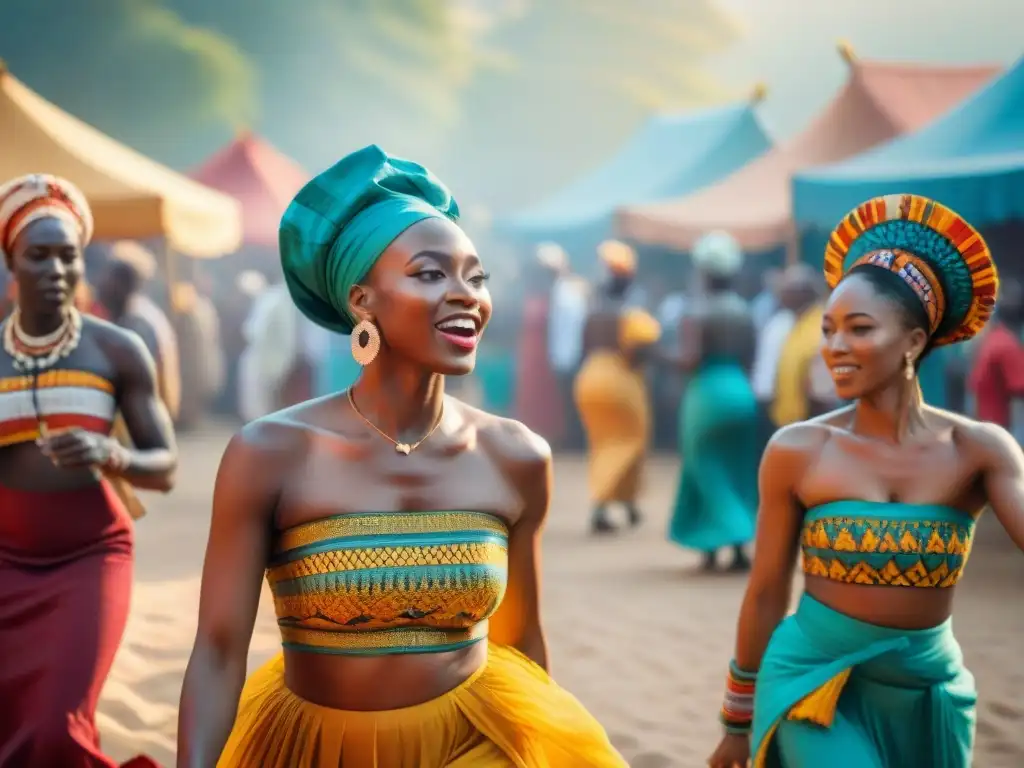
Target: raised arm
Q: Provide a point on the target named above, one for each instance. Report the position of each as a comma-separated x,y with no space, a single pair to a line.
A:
1003,477
245,497
517,621
771,580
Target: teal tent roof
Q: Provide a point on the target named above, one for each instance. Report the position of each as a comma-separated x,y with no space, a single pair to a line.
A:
971,159
670,155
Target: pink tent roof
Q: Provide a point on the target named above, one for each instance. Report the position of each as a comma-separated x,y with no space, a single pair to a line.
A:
262,179
878,102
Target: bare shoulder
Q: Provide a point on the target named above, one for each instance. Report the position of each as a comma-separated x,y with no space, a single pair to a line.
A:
989,442
509,440
266,449
113,338
794,447
522,456
807,436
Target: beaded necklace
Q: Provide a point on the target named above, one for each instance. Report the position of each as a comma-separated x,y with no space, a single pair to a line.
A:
34,354
37,353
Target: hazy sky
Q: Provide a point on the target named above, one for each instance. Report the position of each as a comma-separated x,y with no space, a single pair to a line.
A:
791,44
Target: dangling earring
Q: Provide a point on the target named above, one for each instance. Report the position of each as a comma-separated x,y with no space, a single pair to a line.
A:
908,367
365,342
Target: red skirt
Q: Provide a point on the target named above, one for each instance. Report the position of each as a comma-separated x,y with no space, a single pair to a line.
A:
65,588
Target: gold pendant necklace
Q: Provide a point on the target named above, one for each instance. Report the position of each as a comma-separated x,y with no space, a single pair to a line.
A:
403,448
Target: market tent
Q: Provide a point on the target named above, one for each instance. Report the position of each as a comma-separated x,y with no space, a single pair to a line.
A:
132,197
261,178
878,102
670,154
972,160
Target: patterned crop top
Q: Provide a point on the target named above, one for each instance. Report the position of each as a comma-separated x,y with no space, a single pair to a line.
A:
883,543
64,399
388,582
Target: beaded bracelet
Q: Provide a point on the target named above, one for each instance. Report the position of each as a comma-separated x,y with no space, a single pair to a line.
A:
737,712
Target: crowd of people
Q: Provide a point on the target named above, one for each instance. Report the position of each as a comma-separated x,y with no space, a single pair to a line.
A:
398,527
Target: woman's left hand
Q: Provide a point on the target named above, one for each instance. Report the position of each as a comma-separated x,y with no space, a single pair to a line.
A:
77,449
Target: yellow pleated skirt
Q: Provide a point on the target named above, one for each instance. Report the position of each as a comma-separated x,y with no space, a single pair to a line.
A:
612,401
509,714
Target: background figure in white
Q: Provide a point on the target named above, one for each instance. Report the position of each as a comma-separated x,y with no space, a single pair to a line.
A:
796,288
567,317
278,340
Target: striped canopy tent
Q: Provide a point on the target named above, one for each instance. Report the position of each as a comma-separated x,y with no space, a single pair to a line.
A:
878,102
670,154
971,160
132,197
260,177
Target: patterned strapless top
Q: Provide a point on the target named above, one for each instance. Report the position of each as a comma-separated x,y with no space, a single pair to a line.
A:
388,582
892,544
63,399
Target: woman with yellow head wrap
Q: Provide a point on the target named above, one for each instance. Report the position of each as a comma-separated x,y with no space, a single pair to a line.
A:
610,390
410,626
718,418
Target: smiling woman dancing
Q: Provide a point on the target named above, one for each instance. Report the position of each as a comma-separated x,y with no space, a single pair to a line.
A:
398,527
65,537
882,498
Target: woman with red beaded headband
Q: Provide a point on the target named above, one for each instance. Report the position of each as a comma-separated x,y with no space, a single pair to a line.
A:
880,498
65,537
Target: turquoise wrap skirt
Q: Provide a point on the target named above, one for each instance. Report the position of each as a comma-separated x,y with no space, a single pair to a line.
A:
836,692
716,500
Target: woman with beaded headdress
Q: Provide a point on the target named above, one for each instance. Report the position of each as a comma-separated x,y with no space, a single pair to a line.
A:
65,537
399,529
718,419
610,389
881,498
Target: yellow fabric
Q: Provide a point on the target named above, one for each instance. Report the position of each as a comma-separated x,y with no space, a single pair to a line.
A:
131,196
638,329
510,714
798,352
820,706
612,402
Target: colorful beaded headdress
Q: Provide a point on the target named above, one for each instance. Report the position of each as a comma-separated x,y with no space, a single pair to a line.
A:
939,255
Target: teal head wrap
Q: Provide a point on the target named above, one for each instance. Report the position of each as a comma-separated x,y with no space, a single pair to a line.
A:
342,221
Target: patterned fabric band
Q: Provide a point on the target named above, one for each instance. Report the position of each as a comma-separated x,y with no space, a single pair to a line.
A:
916,273
27,199
943,259
738,707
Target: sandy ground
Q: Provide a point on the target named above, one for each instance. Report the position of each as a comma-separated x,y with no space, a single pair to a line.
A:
635,632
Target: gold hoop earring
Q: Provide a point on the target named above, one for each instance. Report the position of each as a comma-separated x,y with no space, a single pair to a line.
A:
908,367
365,342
